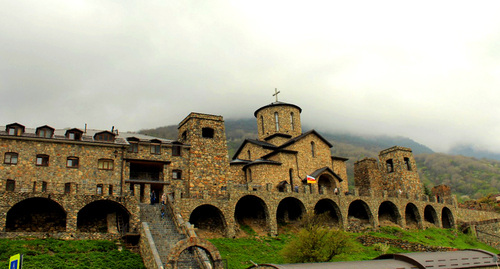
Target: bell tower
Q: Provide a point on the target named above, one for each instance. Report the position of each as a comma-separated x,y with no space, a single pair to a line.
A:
278,119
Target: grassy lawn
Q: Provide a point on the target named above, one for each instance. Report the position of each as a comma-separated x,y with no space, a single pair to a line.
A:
239,252
53,253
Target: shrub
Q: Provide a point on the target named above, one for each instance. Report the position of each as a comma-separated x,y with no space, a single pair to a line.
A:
381,247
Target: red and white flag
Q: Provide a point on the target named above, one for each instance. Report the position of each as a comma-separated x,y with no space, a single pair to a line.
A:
311,179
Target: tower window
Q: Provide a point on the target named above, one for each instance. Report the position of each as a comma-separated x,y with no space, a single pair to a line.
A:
207,133
313,149
276,121
291,120
184,136
407,163
42,160
10,158
262,124
390,166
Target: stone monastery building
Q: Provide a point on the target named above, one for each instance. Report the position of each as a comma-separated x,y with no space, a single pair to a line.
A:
81,183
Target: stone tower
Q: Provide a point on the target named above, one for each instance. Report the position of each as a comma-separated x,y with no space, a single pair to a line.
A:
208,160
367,177
400,171
278,122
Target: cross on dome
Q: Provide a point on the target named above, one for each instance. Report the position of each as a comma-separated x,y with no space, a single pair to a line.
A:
276,93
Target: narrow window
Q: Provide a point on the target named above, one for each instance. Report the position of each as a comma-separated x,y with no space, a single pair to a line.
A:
291,120
99,189
72,162
276,121
249,176
133,148
390,166
177,174
110,190
11,185
290,174
184,136
249,155
262,124
10,158
105,164
67,188
207,132
44,186
176,150
42,160
34,186
407,163
313,153
155,149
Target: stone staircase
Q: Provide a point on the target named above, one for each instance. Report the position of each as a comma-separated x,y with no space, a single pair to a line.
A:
165,234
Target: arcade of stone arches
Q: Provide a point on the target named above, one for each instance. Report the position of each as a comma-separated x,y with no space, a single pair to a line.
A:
251,210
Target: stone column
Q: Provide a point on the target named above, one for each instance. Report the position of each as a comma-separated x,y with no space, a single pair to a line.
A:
147,193
137,192
71,220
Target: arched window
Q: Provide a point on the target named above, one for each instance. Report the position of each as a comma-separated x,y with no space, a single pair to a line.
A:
276,121
262,124
249,179
249,155
313,153
291,120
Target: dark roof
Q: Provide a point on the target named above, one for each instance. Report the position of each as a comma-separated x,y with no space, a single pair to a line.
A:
472,258
295,139
279,151
261,161
276,135
320,171
340,158
239,161
255,142
277,104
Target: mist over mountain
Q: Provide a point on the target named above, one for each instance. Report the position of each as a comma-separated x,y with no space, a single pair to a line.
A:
471,151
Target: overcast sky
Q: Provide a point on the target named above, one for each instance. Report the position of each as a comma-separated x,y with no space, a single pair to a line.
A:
428,70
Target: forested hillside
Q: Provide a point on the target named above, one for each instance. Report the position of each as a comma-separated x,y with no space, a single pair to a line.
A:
467,176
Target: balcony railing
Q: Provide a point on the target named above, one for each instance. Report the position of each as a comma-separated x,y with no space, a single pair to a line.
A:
146,176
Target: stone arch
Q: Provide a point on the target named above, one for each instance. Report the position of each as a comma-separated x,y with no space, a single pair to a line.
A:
388,212
194,244
103,216
208,219
289,210
447,219
36,214
412,216
331,211
252,211
359,215
430,215
326,184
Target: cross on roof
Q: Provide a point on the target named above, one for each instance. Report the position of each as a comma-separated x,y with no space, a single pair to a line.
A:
276,93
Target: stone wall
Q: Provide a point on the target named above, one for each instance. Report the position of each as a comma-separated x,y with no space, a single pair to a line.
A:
149,253
404,176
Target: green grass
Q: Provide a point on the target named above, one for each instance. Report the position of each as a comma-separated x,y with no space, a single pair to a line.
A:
240,251
53,253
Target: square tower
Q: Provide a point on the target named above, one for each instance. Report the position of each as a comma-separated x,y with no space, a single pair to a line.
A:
400,171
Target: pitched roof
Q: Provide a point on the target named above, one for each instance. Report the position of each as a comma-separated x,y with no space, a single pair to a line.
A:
261,161
320,171
255,142
295,139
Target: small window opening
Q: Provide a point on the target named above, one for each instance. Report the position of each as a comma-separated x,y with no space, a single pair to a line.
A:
313,149
177,174
249,155
407,164
276,121
249,179
44,186
390,166
99,189
207,133
176,150
184,136
10,158
67,188
11,185
72,162
42,160
110,189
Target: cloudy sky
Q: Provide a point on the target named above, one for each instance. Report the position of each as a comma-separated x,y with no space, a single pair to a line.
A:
428,70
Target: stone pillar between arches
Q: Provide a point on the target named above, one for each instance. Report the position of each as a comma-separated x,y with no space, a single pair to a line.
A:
71,221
